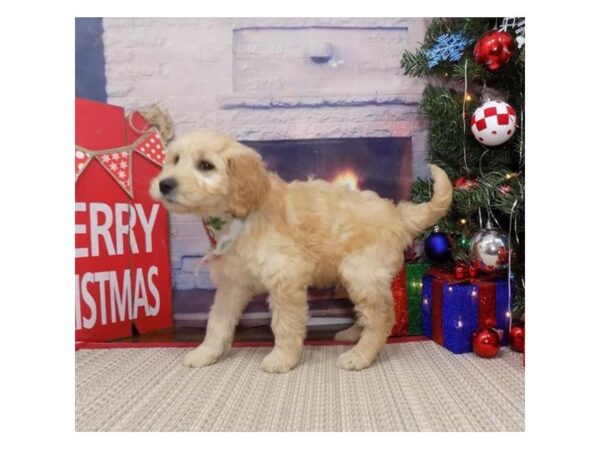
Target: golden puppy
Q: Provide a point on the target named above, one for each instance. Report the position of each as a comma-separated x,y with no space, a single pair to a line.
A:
293,235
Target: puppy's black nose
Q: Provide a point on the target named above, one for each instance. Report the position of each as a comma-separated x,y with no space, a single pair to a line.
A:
167,185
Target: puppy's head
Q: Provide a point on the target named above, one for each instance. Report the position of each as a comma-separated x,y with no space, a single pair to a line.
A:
209,173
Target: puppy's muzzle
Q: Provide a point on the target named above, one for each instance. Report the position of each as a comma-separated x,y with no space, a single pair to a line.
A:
167,185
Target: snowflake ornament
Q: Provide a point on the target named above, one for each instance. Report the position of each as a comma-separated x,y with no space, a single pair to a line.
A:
448,47
518,24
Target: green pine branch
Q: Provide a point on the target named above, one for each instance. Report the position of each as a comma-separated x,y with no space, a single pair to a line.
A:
415,64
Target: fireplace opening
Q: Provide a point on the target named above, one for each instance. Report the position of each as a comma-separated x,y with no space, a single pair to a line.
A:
382,165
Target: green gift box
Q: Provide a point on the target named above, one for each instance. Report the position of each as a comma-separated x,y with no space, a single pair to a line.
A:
406,290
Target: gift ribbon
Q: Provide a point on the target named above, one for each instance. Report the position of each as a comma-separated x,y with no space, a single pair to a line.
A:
437,328
487,305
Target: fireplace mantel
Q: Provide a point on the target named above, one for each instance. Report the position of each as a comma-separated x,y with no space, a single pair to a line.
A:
278,101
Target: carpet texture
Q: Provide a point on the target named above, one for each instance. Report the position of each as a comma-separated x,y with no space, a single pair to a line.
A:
417,386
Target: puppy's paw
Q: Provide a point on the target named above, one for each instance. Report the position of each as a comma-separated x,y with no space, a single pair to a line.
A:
351,334
200,357
279,362
352,360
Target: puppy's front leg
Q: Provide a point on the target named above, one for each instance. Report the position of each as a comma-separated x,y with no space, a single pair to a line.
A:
224,315
290,310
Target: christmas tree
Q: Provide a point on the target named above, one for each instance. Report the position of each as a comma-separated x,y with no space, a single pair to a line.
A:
466,63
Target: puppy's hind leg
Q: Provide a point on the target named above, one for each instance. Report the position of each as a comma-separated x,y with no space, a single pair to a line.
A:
224,315
370,291
376,316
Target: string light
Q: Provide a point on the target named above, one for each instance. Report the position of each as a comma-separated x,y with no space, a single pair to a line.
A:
450,289
474,293
464,116
460,324
509,315
463,221
468,97
425,301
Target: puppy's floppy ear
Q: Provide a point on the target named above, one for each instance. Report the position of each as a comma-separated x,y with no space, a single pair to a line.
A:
248,183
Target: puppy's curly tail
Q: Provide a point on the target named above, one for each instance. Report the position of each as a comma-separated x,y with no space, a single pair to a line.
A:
418,217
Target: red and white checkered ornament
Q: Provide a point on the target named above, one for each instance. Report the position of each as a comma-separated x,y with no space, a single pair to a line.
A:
494,122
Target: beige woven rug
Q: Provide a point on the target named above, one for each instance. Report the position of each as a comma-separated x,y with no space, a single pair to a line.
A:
417,386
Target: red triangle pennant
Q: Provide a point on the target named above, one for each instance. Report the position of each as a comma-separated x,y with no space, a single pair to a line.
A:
82,159
118,165
152,147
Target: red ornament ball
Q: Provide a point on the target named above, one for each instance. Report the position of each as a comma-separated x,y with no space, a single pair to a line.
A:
516,338
486,343
460,272
465,183
472,271
494,49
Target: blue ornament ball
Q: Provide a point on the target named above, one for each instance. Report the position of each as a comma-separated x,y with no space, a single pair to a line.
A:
438,247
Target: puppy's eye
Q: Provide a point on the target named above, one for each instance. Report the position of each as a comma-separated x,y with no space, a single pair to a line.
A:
176,159
205,165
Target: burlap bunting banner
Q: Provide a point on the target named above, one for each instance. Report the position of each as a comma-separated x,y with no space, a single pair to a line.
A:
118,161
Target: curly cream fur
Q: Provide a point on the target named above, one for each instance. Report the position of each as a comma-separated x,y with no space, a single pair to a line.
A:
296,235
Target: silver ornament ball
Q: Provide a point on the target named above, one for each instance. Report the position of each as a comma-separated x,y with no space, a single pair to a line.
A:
489,250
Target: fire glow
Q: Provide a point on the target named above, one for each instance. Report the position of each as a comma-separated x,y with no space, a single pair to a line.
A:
347,178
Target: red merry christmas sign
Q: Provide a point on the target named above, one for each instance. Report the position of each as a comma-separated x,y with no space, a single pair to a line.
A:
122,262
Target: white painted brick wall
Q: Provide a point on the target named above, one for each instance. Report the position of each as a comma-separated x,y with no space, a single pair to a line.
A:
188,66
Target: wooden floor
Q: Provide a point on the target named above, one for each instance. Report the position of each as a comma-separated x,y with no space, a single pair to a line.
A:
263,333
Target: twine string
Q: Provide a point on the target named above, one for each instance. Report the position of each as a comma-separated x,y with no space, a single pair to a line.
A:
133,127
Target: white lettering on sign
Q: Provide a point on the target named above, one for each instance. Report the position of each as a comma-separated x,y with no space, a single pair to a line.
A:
132,241
139,297
147,223
122,228
153,311
77,303
117,301
101,278
104,218
80,229
88,322
120,301
98,229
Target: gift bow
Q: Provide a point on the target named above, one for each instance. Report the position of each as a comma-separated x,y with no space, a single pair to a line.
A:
451,279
